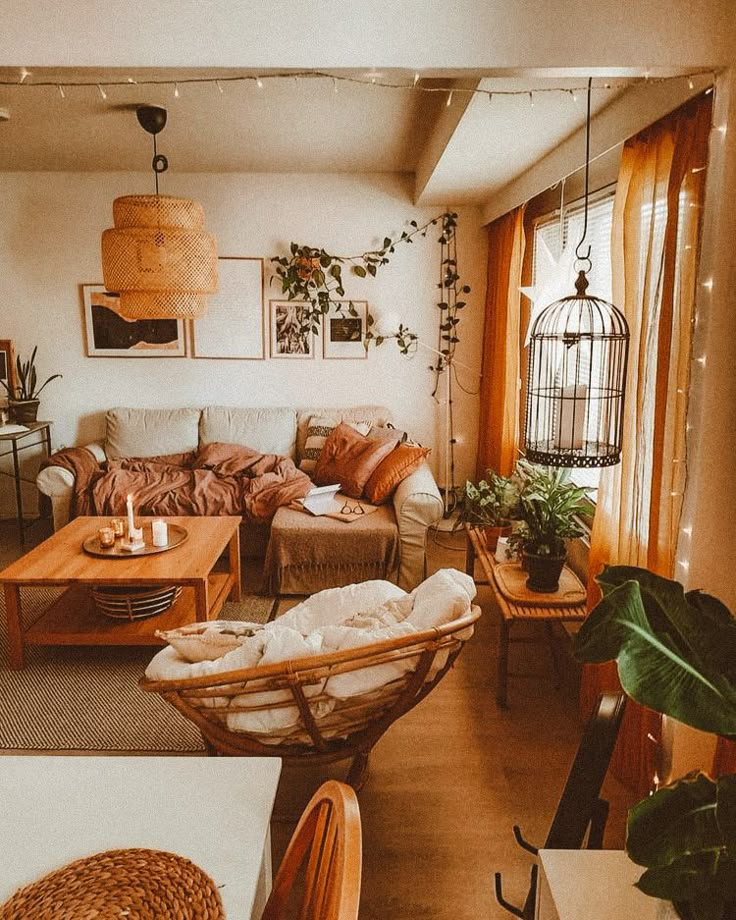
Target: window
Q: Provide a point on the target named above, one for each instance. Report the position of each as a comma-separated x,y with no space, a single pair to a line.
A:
556,233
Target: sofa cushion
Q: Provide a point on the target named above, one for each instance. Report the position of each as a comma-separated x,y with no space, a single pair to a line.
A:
268,430
150,432
403,460
349,458
376,415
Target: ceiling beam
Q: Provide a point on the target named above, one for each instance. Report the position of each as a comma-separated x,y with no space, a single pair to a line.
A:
628,114
442,134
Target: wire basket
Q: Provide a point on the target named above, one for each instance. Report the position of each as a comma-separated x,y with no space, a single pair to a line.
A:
128,602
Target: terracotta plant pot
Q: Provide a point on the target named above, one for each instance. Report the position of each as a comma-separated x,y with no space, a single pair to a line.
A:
493,533
24,410
544,572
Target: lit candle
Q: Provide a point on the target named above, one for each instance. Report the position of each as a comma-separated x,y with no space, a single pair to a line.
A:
160,533
131,522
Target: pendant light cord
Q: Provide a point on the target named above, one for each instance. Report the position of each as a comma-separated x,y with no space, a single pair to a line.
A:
586,257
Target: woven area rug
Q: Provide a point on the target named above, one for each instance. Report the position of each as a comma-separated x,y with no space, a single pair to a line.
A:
82,699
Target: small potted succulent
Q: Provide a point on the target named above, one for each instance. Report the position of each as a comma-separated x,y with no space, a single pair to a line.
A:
23,398
548,512
489,504
675,653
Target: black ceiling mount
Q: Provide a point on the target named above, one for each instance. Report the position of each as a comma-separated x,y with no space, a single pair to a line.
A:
151,118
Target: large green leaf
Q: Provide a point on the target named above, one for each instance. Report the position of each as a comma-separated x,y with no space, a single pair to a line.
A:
675,652
686,834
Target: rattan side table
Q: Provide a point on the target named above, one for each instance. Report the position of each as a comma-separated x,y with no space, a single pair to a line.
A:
513,612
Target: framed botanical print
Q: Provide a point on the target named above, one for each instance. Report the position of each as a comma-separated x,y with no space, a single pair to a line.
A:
233,326
344,328
7,367
290,335
110,335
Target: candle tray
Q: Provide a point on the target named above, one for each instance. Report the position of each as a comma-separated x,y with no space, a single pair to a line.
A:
177,535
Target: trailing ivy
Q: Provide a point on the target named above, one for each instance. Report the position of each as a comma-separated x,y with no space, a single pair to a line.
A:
315,277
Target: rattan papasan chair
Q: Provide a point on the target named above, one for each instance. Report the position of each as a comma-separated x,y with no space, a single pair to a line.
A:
323,682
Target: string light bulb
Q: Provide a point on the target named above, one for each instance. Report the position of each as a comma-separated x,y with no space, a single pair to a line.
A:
531,100
103,94
61,91
176,90
416,78
449,99
690,84
219,86
24,74
259,83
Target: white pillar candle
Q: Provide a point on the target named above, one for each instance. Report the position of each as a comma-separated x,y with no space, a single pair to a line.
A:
572,417
131,522
160,533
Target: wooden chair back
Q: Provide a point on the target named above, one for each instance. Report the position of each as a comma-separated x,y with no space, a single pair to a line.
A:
327,845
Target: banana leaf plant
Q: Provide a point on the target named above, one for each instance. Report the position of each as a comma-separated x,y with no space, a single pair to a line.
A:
676,653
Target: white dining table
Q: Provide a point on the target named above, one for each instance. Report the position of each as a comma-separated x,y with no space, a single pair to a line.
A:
214,811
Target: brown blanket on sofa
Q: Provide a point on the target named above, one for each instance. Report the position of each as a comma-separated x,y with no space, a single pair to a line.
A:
217,479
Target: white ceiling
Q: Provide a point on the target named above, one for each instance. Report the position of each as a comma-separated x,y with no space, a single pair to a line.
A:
461,153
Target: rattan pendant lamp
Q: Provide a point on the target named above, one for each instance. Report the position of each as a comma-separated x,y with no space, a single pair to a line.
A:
158,256
576,377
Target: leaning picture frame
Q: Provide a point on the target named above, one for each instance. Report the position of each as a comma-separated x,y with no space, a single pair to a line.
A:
343,329
234,324
110,335
287,337
7,367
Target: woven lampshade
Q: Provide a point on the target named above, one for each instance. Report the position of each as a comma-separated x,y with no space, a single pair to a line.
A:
159,258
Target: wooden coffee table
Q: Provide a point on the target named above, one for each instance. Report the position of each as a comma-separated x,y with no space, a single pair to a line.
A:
73,618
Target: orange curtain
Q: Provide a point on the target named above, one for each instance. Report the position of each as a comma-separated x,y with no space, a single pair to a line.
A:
498,436
654,249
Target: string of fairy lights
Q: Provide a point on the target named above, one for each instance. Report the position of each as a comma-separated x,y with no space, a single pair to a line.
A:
416,83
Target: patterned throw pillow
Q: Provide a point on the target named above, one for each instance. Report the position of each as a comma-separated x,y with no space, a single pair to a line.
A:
403,460
319,429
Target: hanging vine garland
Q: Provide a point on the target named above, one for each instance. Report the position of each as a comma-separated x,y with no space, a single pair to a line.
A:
315,277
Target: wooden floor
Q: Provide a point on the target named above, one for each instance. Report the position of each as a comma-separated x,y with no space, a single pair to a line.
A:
450,778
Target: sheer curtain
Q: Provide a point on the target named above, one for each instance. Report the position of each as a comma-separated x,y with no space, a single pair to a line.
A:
498,436
654,251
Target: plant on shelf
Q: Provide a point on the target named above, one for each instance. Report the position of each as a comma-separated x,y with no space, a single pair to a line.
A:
676,653
489,504
23,398
549,507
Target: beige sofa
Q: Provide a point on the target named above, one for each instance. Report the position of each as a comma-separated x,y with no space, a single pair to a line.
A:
131,432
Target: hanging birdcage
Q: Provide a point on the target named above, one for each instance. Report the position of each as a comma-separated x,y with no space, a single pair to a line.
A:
575,382
576,378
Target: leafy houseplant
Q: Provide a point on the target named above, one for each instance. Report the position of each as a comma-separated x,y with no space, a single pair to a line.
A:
548,510
676,653
23,399
490,504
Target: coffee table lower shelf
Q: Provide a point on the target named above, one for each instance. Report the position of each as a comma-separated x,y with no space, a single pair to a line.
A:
73,619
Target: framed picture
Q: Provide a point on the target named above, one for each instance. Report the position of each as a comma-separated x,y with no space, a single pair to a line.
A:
110,335
343,329
233,326
7,366
288,339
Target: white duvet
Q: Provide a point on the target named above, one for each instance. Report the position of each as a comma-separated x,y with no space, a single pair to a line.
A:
338,618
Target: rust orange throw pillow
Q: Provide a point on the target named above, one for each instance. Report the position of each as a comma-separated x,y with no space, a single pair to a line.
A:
349,458
403,460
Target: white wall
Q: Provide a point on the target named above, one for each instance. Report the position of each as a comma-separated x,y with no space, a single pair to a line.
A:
50,244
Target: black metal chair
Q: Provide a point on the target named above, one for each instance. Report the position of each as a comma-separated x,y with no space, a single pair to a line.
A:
580,818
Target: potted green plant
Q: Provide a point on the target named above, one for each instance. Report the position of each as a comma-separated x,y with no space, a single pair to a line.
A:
489,504
549,509
23,399
676,653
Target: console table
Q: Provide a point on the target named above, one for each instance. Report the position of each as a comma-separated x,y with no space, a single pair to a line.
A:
215,811
41,433
513,612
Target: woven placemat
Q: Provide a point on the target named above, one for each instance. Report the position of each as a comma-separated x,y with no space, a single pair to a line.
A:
511,582
145,884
